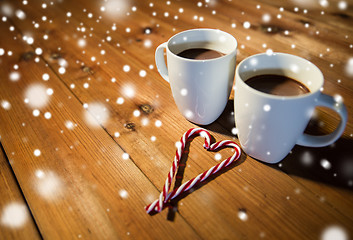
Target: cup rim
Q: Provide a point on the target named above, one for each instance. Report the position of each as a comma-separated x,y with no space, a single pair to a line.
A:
272,96
202,29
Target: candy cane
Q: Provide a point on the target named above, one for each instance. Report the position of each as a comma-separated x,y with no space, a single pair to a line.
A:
166,196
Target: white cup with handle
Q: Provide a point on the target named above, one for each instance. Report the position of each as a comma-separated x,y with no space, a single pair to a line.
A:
200,87
270,125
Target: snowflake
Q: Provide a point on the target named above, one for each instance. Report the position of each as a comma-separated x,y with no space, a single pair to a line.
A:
142,73
36,112
126,68
129,91
334,233
123,193
36,96
38,51
5,104
325,164
97,114
14,215
14,76
47,115
37,152
136,113
342,5
125,156
242,215
69,125
48,184
246,25
158,123
45,77
120,100
218,156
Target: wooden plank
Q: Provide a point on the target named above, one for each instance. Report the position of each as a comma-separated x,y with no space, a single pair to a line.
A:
260,185
251,40
77,13
227,228
299,35
76,179
16,221
333,14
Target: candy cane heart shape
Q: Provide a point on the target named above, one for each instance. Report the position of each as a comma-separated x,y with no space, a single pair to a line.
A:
165,196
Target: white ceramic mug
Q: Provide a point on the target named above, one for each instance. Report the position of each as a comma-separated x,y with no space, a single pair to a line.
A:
200,88
268,125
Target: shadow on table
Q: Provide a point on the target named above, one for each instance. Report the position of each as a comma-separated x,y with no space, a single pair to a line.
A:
225,123
331,165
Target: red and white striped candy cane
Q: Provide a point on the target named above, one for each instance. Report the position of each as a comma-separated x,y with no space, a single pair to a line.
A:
165,196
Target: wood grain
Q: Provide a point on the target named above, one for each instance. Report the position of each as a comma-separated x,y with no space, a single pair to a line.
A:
68,197
16,219
99,190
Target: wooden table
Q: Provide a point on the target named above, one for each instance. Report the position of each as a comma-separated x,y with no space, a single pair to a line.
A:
88,126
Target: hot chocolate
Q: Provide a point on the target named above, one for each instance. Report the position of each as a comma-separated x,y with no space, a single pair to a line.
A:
277,85
200,54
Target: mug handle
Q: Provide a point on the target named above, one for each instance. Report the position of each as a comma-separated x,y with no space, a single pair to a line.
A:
160,61
321,141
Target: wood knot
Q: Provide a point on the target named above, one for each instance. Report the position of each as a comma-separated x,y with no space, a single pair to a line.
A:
130,126
146,108
305,22
27,56
87,69
271,29
55,56
342,15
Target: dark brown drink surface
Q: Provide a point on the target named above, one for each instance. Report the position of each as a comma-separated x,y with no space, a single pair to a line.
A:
200,54
277,85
